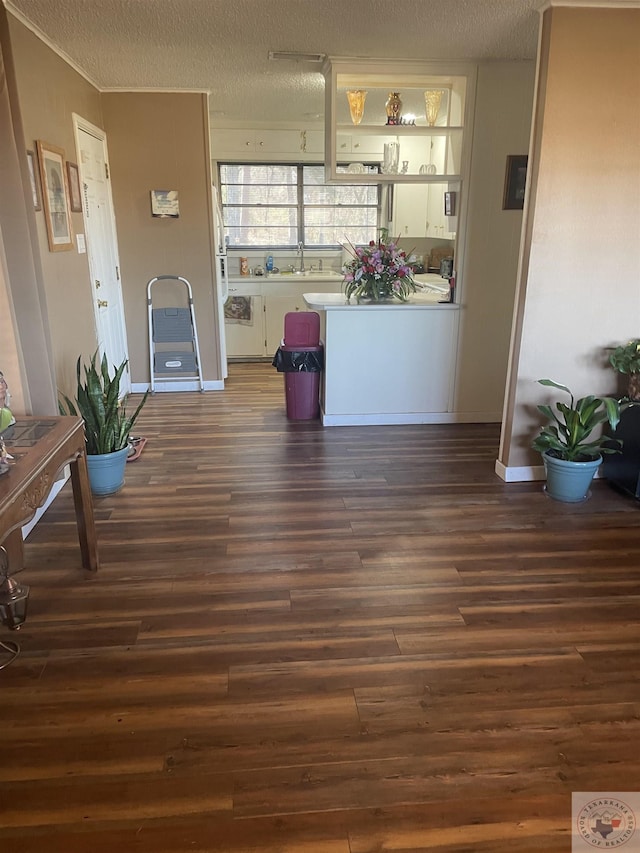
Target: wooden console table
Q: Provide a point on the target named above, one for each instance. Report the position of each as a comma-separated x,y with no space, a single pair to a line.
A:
41,447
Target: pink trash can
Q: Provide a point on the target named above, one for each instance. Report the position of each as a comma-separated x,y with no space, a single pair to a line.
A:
301,359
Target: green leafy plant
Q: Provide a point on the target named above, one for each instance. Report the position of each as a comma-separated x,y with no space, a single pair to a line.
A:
626,357
567,434
106,424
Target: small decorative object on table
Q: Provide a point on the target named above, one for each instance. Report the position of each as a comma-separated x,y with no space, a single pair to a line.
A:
626,359
379,271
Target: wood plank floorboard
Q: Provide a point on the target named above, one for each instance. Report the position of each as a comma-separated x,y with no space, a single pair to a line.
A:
308,640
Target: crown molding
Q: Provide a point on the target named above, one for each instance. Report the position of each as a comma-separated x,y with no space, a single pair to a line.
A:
151,89
543,5
37,32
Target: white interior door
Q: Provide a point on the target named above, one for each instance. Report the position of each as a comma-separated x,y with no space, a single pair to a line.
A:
102,244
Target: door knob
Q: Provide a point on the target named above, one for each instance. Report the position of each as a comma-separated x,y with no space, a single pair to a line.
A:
102,303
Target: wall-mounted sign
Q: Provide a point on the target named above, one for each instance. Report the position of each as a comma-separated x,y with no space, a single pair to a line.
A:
165,203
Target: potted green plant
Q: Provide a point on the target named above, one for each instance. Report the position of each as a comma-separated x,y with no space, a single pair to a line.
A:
106,424
626,359
570,453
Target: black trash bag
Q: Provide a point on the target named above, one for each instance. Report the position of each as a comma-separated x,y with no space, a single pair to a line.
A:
299,361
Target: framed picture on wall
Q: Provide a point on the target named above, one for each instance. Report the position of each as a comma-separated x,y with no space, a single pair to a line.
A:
34,179
514,182
75,199
55,199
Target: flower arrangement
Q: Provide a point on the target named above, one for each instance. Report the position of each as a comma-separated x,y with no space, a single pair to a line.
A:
378,271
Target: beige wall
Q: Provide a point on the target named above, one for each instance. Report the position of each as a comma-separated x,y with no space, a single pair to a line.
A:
501,127
579,291
49,92
160,141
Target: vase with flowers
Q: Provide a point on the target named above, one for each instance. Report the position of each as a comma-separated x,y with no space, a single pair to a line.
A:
378,272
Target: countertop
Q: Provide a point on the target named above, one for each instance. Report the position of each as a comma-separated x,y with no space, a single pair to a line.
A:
329,301
432,290
292,278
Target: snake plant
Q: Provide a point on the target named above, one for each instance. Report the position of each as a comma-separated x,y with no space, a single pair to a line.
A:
106,424
567,433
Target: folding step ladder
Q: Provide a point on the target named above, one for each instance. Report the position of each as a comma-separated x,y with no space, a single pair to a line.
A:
174,325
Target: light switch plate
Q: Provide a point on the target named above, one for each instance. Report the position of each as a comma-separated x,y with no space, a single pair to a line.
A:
82,248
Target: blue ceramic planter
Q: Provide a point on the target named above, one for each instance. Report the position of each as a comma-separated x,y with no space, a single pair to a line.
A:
106,471
569,481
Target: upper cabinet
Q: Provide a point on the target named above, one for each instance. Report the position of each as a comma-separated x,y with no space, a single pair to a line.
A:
267,145
409,117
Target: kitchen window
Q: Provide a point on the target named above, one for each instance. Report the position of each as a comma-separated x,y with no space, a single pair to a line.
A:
275,205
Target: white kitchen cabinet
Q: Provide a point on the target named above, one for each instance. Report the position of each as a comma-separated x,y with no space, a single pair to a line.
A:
246,340
263,145
275,309
410,210
418,211
439,225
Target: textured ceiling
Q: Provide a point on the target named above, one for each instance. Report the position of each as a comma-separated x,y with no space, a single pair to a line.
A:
223,45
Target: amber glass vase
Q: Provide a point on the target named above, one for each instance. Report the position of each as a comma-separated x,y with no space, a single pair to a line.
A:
432,102
356,100
393,107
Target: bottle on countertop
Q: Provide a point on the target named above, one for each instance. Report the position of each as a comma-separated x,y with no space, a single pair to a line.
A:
268,264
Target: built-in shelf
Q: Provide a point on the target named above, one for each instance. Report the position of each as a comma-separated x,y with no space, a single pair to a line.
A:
421,145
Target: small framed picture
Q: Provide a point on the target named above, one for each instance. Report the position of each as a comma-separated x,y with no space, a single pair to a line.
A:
450,204
165,203
35,180
75,199
515,182
55,199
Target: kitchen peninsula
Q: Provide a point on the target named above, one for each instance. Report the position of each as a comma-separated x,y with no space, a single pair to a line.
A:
387,363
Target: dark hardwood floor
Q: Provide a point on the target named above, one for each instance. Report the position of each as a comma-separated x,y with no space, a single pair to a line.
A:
307,640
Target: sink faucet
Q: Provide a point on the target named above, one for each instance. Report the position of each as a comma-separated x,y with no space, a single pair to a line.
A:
301,253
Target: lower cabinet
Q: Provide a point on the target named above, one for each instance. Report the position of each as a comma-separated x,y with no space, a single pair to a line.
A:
275,309
254,324
244,329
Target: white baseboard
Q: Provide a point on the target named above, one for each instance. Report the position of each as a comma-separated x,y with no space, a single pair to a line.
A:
28,527
164,387
520,474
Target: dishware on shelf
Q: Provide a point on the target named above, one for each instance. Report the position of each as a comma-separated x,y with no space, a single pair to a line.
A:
391,158
357,169
432,101
427,169
356,98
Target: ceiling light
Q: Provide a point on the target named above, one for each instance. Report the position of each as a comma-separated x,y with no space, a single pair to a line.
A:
292,56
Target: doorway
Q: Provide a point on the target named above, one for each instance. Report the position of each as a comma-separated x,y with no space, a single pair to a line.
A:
102,244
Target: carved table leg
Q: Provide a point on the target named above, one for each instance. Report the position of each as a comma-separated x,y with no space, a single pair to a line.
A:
14,547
